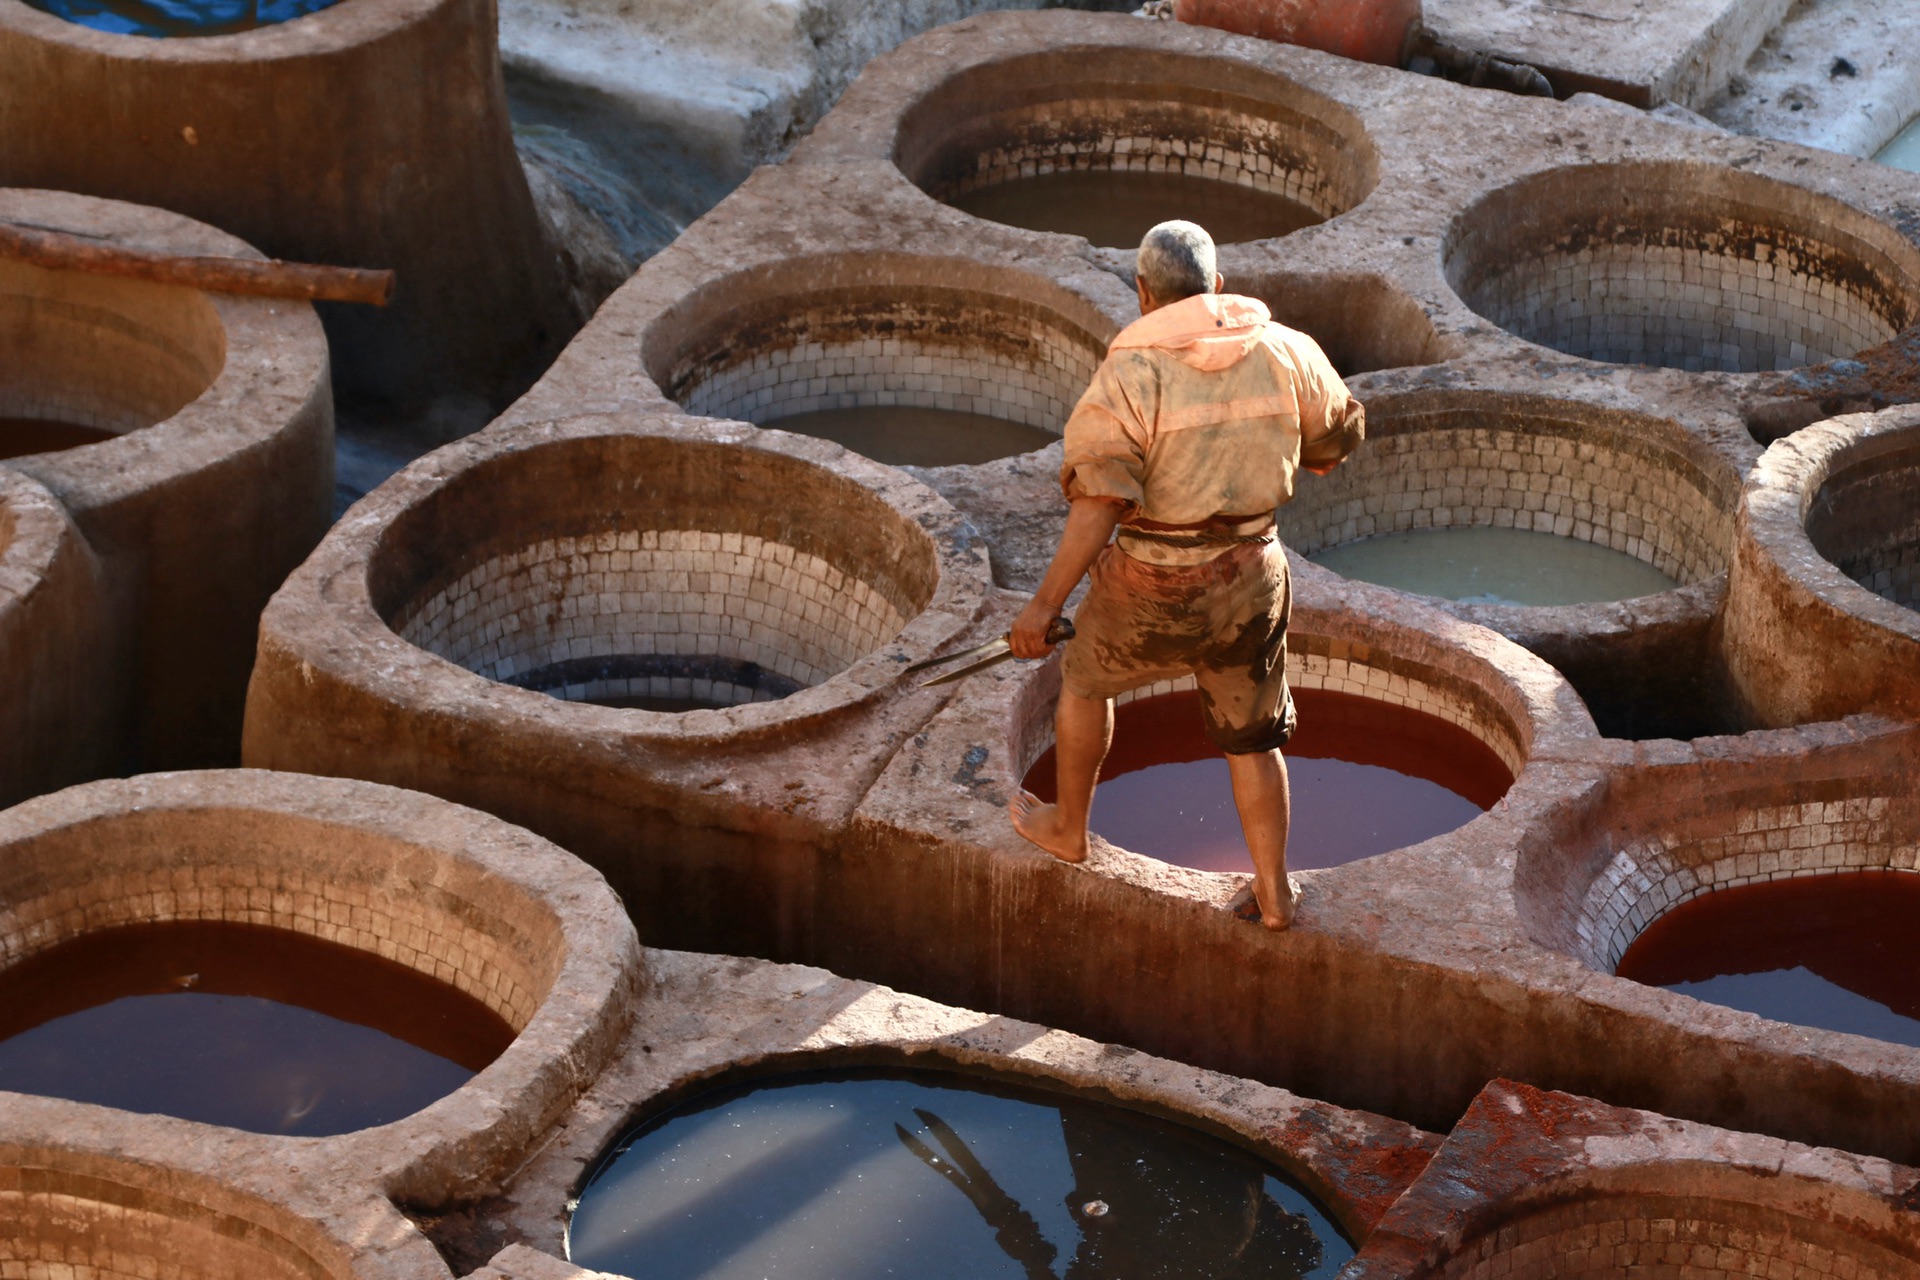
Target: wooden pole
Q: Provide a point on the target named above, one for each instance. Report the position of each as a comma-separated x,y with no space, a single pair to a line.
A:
266,278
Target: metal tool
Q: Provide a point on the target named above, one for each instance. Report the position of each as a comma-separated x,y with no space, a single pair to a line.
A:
990,654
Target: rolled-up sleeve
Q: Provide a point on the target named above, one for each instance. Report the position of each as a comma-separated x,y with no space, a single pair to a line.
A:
1106,436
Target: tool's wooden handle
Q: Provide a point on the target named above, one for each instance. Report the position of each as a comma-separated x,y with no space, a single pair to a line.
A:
271,278
1059,631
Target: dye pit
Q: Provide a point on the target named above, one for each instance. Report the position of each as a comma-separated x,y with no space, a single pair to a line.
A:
174,18
22,436
870,1174
240,1025
1114,209
1904,151
1840,952
1496,566
1366,776
670,683
911,436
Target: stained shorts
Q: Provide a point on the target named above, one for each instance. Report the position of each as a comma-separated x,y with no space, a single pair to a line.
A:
1223,622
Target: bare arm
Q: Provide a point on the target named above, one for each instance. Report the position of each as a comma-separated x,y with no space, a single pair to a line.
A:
1090,523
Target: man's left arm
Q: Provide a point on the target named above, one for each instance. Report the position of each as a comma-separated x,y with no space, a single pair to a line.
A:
1332,422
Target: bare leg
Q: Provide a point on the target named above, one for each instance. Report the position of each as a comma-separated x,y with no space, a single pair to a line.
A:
1261,795
1083,730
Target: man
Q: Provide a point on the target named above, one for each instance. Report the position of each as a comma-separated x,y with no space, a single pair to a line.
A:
1185,443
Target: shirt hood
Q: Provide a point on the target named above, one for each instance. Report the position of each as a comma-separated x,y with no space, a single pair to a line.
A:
1209,332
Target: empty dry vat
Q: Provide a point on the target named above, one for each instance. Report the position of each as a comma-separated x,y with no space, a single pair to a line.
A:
486,910
1104,140
1821,619
1682,266
307,138
209,471
676,648
930,362
57,664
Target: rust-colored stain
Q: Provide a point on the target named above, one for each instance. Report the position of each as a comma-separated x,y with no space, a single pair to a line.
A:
1368,1175
1888,374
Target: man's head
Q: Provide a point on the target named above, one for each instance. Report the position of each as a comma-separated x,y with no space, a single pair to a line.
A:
1176,261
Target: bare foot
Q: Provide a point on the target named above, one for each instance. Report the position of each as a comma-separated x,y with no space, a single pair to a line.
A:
1042,824
1277,915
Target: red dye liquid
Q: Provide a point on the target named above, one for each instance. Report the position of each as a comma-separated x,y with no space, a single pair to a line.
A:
1839,952
1367,777
22,436
239,1025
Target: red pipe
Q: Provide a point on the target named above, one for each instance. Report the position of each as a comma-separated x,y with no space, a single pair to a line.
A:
1366,30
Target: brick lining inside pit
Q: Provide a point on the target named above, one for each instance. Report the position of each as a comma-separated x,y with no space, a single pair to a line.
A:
404,903
1669,1236
56,1225
1136,111
1866,521
1339,666
926,346
737,600
1747,838
1560,469
1683,267
623,565
102,352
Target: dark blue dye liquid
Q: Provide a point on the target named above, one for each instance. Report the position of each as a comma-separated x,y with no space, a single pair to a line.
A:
238,1025
868,1175
162,18
1838,952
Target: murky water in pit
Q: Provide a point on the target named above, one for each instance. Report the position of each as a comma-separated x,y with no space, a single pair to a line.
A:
1904,151
859,1176
170,18
22,436
1496,566
1114,209
1366,777
1840,952
241,1025
910,436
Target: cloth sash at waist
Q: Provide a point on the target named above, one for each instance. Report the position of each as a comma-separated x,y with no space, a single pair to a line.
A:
1193,544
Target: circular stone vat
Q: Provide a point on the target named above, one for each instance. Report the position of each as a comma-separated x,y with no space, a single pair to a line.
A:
885,1173
296,956
202,18
1823,603
57,694
1865,517
1501,499
1838,952
204,472
1442,735
1681,1228
1105,143
1367,777
1683,266
86,358
929,364
112,1219
653,572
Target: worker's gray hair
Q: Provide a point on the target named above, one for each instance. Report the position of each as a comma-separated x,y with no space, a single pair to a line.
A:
1176,261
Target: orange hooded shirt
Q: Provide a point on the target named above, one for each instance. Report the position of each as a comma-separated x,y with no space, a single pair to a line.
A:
1206,408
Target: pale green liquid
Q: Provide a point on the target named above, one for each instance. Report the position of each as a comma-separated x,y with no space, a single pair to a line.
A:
1904,151
1496,566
